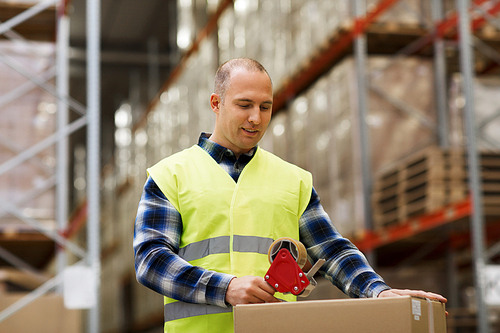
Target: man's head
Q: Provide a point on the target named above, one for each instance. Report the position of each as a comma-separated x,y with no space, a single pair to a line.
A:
242,102
223,74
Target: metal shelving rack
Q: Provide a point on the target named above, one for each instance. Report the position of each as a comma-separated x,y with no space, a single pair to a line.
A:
44,29
344,41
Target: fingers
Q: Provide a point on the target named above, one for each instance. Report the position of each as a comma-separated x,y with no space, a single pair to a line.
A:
417,293
250,289
262,291
267,287
425,294
437,297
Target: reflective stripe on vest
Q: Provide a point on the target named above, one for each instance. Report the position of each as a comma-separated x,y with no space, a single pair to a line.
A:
252,244
220,244
180,310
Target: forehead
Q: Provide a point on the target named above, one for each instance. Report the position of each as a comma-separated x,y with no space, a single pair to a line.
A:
243,81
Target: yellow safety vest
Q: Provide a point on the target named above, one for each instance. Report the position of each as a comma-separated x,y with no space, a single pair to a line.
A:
228,226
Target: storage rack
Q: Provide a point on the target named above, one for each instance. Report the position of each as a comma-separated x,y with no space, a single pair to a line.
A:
29,248
346,39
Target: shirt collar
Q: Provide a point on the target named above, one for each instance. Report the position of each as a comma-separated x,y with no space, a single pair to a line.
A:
217,151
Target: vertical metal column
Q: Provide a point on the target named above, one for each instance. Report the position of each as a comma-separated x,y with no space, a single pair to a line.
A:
93,153
440,76
62,76
134,93
452,277
153,67
360,61
477,223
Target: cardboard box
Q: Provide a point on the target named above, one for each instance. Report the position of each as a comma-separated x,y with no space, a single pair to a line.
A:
46,314
375,315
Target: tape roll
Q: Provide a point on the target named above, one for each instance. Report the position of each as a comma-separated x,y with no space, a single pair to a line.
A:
296,249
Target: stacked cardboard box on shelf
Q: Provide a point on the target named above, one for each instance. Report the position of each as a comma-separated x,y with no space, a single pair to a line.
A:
294,30
486,102
410,12
46,314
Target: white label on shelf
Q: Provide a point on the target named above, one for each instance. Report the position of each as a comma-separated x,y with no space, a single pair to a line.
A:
79,285
492,284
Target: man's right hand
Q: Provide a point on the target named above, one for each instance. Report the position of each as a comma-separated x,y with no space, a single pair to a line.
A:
250,289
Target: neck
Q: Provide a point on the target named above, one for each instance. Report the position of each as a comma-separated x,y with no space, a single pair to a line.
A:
237,152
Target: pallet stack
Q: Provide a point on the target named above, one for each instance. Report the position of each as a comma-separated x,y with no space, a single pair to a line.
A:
429,180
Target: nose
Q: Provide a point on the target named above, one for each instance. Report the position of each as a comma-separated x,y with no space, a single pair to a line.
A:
254,116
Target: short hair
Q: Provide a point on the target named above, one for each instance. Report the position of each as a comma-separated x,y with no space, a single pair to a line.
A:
223,74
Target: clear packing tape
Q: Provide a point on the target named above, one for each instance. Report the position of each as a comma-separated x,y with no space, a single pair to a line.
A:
417,312
430,311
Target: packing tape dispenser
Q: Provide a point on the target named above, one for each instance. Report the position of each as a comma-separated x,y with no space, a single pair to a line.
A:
288,257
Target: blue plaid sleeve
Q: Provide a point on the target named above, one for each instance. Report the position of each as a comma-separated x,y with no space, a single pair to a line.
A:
346,267
158,227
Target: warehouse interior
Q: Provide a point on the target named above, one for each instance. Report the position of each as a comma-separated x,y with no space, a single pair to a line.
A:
392,105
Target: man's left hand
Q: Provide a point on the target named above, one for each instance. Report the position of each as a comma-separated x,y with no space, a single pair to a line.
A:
417,293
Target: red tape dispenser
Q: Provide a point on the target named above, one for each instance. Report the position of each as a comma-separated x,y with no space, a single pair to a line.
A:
287,257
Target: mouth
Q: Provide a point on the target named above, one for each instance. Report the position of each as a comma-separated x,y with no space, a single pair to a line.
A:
250,131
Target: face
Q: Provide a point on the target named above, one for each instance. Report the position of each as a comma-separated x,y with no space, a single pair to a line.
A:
243,117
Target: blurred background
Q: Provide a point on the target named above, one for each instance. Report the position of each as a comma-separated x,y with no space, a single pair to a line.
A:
377,98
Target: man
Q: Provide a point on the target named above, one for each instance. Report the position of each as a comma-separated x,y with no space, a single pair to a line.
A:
209,213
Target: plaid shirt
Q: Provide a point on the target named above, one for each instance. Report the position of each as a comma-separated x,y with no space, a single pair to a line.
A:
158,228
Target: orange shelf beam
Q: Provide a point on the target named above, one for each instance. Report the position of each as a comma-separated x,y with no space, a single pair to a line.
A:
450,213
77,220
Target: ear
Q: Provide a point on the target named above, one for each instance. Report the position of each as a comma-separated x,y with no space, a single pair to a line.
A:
215,102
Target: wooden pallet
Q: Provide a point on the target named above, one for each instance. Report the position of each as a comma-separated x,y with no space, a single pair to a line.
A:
431,179
430,164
